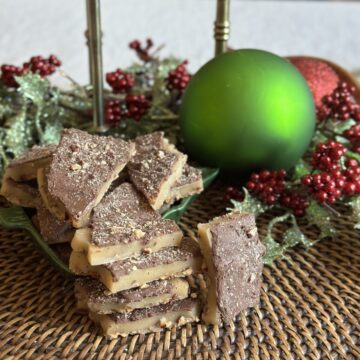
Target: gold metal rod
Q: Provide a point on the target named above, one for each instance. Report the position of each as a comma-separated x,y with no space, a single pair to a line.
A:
95,58
222,26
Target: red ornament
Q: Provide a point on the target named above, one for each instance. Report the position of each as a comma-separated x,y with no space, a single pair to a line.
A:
321,78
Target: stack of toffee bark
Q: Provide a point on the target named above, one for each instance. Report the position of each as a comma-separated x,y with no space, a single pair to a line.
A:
105,196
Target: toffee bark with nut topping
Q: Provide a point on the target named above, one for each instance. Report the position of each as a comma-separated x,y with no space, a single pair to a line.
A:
156,167
141,321
137,271
122,226
82,169
233,256
92,295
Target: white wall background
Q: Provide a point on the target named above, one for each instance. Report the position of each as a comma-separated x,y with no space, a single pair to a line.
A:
325,29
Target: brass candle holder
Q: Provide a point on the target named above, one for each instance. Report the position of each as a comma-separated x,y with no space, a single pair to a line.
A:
93,34
222,26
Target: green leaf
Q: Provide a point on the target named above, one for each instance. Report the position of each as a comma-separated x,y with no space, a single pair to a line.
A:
301,169
18,135
52,133
33,87
249,204
355,207
320,216
292,237
339,127
16,218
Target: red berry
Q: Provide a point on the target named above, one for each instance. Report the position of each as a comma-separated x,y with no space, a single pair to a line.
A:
339,105
178,78
120,82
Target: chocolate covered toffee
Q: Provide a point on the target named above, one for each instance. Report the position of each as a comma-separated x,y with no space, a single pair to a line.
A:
137,271
122,226
177,312
190,183
92,295
17,184
25,167
53,230
82,168
20,193
233,256
156,167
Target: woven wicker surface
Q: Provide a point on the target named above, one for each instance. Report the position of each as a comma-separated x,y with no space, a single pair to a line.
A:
309,309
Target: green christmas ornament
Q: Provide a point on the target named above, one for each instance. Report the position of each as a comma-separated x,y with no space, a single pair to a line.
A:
245,110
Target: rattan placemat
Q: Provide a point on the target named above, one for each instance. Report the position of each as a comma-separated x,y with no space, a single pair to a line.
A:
310,307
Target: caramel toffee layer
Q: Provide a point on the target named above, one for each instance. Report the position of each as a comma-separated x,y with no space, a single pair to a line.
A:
52,229
140,321
190,183
93,295
137,271
82,169
156,167
20,193
122,226
25,167
233,255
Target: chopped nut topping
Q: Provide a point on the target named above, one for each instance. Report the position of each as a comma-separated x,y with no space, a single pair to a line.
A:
161,154
187,272
147,250
181,320
193,295
139,233
76,167
163,322
252,232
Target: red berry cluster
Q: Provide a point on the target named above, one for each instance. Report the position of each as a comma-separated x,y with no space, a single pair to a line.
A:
142,51
42,66
325,187
134,107
267,186
119,81
327,155
233,193
8,73
340,104
297,202
113,112
178,78
329,186
353,135
37,64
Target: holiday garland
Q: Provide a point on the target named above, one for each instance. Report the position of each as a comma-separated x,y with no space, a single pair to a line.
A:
146,97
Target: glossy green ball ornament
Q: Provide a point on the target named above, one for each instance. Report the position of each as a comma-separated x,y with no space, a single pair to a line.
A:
247,110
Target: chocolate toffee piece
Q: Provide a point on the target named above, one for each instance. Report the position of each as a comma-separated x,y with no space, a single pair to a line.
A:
122,226
25,167
156,318
52,229
20,193
94,296
82,169
233,256
190,183
156,167
137,271
55,207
